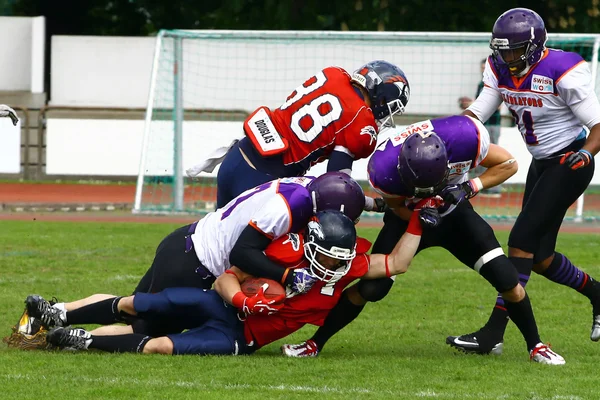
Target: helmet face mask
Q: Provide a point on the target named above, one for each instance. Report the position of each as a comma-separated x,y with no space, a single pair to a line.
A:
395,107
429,191
330,245
513,55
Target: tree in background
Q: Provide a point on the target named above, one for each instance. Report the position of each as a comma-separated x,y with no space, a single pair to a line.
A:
146,17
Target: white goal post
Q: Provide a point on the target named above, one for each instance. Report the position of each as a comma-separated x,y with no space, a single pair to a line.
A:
204,83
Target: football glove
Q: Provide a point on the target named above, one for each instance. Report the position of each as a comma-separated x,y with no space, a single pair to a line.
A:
303,281
427,209
430,217
380,205
457,193
258,304
6,111
576,159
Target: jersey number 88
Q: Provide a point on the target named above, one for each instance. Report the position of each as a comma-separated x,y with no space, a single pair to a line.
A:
322,110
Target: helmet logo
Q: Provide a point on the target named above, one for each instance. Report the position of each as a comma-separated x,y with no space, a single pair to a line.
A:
294,240
500,44
396,78
315,231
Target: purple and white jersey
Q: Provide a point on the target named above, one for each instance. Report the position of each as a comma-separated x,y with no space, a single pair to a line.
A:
467,143
541,101
274,208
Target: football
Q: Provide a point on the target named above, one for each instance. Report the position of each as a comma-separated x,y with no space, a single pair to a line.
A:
251,286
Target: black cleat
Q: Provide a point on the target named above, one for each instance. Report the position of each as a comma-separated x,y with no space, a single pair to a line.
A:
49,315
69,338
476,343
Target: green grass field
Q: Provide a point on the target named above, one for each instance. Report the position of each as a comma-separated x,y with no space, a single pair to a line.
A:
394,350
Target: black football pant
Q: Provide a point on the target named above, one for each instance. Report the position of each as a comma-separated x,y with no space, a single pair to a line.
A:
463,232
550,189
175,264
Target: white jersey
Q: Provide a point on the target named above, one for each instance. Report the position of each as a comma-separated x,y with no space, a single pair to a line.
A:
542,101
275,208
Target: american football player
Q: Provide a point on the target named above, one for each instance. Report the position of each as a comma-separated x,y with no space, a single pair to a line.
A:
333,115
550,94
424,159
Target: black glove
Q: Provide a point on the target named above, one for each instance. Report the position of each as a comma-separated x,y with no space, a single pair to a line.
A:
380,205
457,193
430,217
576,159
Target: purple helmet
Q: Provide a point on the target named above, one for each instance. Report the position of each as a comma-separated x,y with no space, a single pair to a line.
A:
518,40
423,164
387,87
337,191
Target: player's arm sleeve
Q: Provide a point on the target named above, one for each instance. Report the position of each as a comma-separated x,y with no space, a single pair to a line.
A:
486,103
483,142
575,88
248,255
340,160
489,98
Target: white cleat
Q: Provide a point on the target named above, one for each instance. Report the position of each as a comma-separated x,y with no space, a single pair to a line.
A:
304,349
542,354
595,334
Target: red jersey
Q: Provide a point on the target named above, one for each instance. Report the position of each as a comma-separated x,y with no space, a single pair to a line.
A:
308,308
323,114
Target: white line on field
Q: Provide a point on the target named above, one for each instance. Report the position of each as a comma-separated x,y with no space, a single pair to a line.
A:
427,393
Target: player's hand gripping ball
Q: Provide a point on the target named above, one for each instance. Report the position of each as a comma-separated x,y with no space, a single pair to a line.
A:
257,297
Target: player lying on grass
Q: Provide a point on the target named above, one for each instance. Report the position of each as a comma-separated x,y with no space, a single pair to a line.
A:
328,249
238,233
194,255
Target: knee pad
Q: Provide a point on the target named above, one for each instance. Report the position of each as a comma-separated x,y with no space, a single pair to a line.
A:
499,271
375,289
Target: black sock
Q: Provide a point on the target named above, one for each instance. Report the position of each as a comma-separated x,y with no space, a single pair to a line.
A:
522,315
341,315
498,320
130,343
103,312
